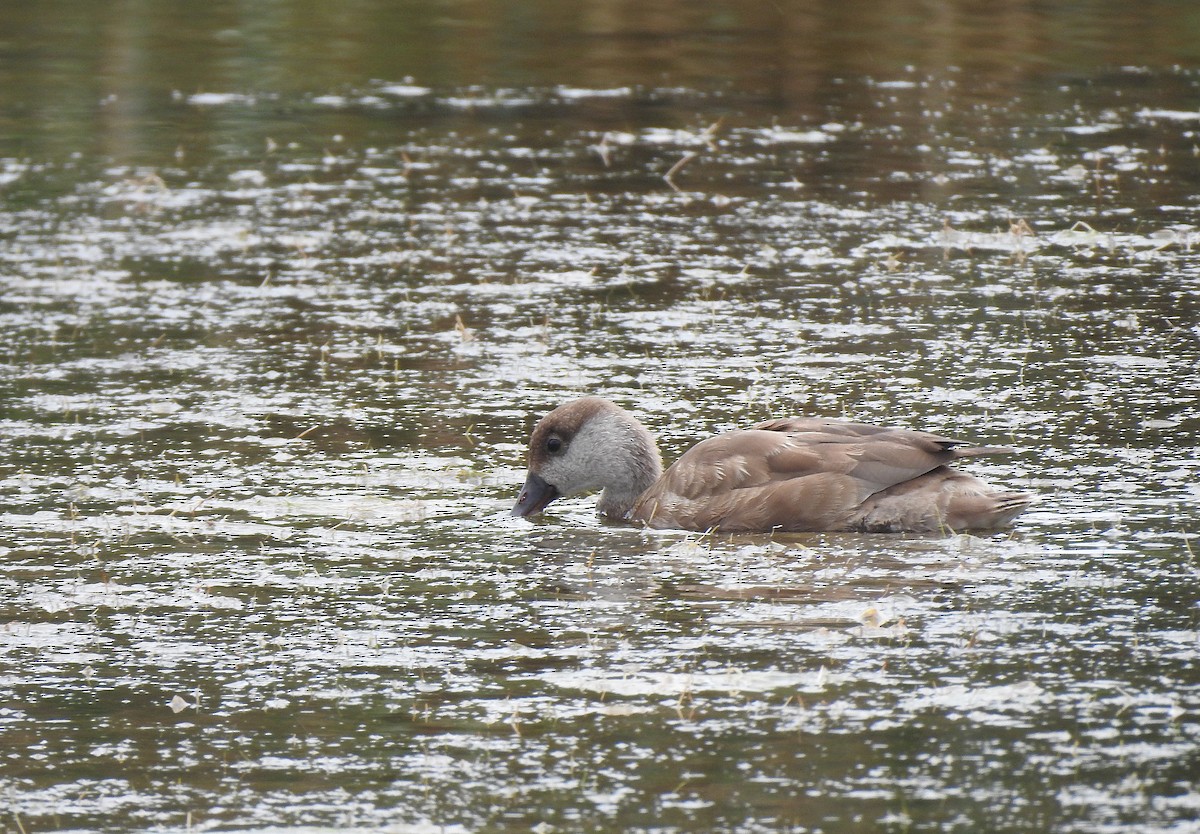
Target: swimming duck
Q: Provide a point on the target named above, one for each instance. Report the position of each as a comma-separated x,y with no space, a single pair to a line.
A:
791,474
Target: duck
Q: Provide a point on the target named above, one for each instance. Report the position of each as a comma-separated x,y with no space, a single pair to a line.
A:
799,474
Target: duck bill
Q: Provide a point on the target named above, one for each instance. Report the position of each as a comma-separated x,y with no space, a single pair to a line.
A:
535,495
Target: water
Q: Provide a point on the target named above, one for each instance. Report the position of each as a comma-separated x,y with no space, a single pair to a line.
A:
274,340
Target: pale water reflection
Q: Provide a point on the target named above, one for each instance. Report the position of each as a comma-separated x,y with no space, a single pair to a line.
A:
271,352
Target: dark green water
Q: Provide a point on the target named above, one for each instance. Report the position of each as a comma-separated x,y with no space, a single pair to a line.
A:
283,287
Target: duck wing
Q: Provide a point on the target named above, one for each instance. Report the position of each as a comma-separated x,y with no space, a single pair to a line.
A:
843,431
884,456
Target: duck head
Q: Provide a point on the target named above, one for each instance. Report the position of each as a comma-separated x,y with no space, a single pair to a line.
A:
585,445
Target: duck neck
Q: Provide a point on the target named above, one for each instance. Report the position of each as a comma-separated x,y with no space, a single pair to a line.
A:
640,466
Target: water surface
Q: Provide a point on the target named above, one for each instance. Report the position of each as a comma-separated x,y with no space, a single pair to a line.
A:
275,330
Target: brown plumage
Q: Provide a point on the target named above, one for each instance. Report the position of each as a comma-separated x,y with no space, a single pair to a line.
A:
785,474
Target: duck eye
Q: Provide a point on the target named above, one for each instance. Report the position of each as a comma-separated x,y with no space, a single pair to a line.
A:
554,445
